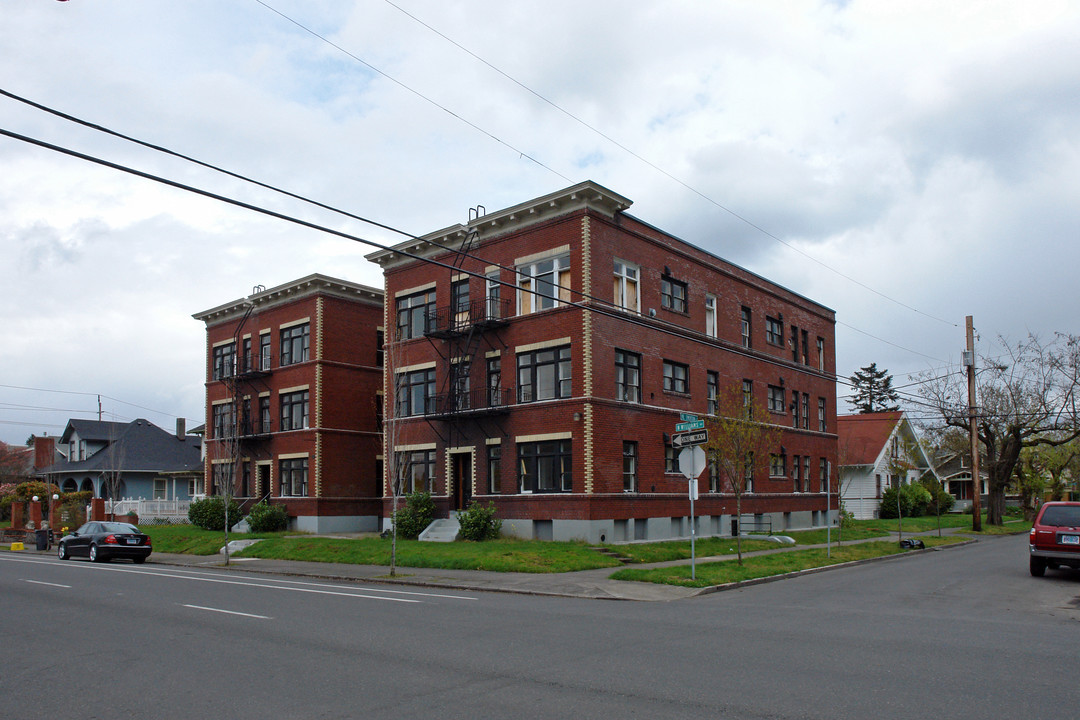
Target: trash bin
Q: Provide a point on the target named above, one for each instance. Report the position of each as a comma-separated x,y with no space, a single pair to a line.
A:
41,538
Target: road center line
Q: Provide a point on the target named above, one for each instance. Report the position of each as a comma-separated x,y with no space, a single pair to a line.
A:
228,612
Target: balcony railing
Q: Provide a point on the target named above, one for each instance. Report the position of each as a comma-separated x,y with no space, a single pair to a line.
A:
458,319
482,401
244,367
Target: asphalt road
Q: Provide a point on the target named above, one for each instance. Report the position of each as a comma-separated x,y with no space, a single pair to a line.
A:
963,633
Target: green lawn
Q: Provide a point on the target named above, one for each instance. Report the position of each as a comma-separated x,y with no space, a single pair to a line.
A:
191,540
727,571
503,555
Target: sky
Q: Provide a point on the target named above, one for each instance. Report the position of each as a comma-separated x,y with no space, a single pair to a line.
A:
905,164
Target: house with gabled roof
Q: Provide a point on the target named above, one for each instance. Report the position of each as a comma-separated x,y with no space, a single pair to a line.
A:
136,460
877,451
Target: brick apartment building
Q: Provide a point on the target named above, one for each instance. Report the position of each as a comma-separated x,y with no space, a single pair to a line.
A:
293,394
543,364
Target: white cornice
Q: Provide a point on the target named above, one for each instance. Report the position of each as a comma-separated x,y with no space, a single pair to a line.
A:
585,195
304,287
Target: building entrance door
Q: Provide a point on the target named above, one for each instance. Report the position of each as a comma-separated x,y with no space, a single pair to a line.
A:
461,467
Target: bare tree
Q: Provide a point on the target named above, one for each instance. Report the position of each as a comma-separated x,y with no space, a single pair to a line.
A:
1026,398
739,443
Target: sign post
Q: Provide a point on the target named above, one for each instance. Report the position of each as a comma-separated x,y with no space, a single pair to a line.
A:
692,464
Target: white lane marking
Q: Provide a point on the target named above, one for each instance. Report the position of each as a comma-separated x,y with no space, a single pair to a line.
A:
221,581
228,612
181,573
39,582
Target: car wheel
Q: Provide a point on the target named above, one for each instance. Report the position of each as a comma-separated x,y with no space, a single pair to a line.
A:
61,551
139,560
94,555
1037,566
1051,565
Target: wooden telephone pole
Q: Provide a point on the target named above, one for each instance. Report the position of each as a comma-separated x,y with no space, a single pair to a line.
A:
976,481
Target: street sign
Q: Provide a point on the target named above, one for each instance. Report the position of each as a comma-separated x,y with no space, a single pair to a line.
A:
690,425
687,417
692,462
695,437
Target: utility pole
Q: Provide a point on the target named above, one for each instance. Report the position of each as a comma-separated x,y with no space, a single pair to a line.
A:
976,482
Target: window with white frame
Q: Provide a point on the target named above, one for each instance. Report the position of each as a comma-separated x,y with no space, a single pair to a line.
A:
626,286
774,331
160,489
629,467
712,392
710,315
543,284
627,376
494,464
294,410
777,464
776,399
416,471
224,361
744,322
822,425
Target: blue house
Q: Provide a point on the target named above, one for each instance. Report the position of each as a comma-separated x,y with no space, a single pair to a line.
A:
135,460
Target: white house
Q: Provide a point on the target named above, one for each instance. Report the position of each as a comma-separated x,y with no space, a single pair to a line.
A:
877,450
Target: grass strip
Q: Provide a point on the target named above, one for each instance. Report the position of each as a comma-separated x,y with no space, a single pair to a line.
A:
727,571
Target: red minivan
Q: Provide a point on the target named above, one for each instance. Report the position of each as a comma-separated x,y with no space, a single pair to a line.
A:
1055,537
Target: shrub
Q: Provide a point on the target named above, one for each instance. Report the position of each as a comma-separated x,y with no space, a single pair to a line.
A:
415,516
209,513
941,502
478,522
268,518
913,501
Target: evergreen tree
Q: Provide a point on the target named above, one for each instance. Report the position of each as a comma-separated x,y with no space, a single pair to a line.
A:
873,390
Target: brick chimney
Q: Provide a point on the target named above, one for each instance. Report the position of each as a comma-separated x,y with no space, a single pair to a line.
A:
181,429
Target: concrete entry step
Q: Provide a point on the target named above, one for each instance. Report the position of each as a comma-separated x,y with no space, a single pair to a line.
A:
442,530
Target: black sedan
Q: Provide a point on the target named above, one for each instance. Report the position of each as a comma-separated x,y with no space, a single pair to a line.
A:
103,541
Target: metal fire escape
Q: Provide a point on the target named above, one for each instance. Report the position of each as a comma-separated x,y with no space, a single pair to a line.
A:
464,327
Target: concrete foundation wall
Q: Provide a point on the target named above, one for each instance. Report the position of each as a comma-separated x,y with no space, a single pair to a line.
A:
336,523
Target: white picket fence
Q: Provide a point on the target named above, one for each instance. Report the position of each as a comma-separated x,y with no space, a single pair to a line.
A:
147,509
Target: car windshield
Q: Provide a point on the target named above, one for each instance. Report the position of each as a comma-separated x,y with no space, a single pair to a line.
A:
114,527
1062,516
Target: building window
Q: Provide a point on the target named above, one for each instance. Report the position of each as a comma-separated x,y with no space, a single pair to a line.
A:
748,398
543,285
712,392
774,331
245,361
264,415
795,467
160,489
494,382
294,344
806,411
194,487
494,297
745,323
715,485
676,377
776,399
710,315
294,410
221,475
805,348
245,479
494,462
794,344
380,348
415,315
823,475
224,420
777,465
794,408
460,396
670,462
416,471
416,393
293,473
545,466
627,376
224,361
806,473
626,286
672,294
821,354
822,426
544,374
264,351
748,473
629,466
